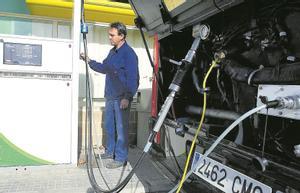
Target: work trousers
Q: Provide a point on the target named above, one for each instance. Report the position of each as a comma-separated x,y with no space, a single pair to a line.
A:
116,126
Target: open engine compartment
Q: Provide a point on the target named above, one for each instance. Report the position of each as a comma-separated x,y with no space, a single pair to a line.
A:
248,43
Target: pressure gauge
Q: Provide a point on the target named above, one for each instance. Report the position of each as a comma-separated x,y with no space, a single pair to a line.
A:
201,31
204,31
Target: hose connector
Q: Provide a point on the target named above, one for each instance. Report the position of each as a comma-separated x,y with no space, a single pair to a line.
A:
289,102
270,104
84,28
273,104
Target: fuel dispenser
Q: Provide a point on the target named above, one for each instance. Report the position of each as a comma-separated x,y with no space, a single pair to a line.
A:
35,100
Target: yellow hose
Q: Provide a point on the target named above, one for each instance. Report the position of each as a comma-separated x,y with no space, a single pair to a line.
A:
213,64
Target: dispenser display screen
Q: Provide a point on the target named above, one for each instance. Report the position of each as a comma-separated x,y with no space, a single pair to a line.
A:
22,54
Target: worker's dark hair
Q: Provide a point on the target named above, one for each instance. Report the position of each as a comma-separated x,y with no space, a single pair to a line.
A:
120,27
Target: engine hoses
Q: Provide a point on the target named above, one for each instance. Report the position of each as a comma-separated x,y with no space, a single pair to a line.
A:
221,137
213,64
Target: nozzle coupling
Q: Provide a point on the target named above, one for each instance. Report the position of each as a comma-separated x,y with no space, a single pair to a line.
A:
218,56
288,102
273,104
270,104
84,28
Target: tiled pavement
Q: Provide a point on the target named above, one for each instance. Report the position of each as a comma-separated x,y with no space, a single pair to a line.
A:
73,179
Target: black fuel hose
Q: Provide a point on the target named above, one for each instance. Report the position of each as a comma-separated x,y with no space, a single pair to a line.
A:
88,148
139,25
155,74
151,62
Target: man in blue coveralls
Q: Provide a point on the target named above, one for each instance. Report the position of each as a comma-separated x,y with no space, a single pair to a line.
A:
121,83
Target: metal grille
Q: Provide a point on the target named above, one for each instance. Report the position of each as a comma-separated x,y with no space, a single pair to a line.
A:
36,75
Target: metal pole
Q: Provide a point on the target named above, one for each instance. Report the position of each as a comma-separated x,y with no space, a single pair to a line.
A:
75,80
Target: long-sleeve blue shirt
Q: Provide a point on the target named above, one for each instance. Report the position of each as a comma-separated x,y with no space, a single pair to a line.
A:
122,73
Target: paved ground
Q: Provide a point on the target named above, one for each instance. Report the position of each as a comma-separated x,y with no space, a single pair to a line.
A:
71,179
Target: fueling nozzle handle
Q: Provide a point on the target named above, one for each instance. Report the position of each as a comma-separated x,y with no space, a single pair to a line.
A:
185,65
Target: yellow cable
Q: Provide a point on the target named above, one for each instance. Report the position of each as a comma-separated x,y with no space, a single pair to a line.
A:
213,64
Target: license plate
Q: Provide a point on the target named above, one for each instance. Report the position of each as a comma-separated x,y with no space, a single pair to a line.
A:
226,178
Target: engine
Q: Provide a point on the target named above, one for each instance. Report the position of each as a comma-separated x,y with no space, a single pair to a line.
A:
257,45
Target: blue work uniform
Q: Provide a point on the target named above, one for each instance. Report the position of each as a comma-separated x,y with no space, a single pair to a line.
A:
121,82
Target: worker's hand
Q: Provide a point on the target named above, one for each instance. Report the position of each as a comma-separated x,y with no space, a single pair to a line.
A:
82,57
124,103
